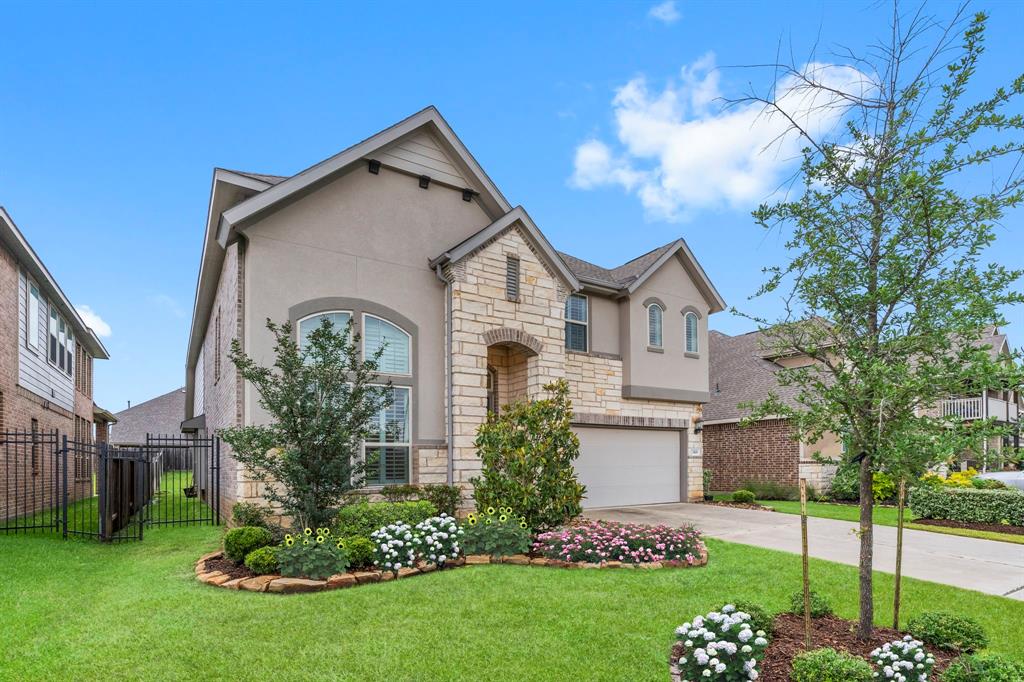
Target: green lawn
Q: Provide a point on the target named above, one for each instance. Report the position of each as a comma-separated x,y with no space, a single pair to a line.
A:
85,611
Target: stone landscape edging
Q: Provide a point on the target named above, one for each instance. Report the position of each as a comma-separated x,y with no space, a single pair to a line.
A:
281,585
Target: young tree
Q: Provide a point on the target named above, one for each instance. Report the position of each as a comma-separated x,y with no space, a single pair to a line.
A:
321,401
884,287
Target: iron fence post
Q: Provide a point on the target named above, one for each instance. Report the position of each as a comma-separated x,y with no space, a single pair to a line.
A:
64,485
102,502
216,456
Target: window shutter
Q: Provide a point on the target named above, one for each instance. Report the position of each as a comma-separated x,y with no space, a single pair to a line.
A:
512,278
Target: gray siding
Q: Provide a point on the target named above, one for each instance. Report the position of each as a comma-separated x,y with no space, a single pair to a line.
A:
420,154
35,373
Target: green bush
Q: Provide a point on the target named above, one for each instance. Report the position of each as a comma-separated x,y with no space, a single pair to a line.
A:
360,550
760,617
770,490
845,485
364,518
262,561
829,665
238,542
743,497
401,493
445,498
883,488
527,453
948,631
984,668
249,514
820,605
312,555
497,532
987,483
706,477
968,505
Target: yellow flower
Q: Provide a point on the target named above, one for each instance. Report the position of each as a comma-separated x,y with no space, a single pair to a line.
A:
503,518
288,536
305,543
308,531
327,532
319,539
289,541
341,545
490,510
488,521
522,524
472,520
506,510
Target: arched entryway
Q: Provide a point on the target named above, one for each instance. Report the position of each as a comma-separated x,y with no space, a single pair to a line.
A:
511,366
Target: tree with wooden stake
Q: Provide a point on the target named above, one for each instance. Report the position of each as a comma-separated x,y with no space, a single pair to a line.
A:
806,563
885,288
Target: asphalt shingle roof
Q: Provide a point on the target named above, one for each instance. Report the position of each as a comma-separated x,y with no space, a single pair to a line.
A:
617,277
159,416
272,179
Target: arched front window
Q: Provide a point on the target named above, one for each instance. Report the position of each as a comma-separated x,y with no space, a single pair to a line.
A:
338,318
654,315
691,330
379,333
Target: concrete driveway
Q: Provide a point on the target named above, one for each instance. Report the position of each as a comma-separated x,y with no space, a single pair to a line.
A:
983,565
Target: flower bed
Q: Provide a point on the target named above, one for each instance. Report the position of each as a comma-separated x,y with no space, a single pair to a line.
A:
628,543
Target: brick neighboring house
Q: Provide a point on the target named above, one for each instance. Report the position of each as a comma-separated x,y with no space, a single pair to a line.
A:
46,366
743,369
405,235
157,416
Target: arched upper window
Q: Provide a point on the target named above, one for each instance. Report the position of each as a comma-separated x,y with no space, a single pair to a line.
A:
397,345
305,327
691,327
654,318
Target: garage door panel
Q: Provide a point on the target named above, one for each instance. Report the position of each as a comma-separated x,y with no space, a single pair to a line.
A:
628,466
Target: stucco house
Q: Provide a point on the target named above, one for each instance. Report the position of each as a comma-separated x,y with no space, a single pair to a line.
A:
745,368
406,235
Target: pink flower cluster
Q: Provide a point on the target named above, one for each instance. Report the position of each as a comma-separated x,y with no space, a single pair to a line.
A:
632,543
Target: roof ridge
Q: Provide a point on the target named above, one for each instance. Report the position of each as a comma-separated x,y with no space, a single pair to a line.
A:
648,253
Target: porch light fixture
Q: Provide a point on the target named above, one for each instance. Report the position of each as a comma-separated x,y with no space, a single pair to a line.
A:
698,424
424,181
373,165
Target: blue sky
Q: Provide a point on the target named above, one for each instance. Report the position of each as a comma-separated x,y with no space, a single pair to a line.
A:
113,116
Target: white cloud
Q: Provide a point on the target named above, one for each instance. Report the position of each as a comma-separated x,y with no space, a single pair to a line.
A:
169,303
665,12
93,320
681,152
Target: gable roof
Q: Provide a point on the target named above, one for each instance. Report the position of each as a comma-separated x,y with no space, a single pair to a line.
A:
15,241
738,373
159,416
629,276
540,242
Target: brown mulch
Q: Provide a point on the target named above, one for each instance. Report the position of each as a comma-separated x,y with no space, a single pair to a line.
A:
830,631
994,527
229,567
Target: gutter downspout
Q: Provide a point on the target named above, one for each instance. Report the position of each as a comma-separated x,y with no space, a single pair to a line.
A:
448,367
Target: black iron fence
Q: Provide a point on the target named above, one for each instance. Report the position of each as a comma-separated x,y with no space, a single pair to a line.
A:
52,484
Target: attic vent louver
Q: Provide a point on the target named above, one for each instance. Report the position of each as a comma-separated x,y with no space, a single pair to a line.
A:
512,278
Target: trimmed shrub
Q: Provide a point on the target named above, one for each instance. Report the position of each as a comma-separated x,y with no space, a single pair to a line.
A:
262,561
987,483
829,665
948,631
238,542
968,505
360,550
249,514
444,497
984,668
720,646
760,617
845,485
769,490
498,532
401,493
364,518
743,497
820,605
906,659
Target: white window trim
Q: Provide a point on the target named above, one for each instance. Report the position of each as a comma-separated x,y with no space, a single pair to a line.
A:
407,444
32,329
687,316
298,323
586,324
407,345
650,341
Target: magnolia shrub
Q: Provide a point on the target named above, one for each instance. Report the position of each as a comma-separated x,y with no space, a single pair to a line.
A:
720,646
904,660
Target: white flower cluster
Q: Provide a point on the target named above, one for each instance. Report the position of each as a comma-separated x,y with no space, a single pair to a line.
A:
397,546
719,646
904,660
440,537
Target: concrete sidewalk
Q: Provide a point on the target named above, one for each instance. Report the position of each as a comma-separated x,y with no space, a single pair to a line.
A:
983,565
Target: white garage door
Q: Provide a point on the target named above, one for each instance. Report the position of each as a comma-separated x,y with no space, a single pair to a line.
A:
628,466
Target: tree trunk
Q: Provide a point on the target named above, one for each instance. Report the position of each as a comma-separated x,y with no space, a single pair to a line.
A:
867,605
899,554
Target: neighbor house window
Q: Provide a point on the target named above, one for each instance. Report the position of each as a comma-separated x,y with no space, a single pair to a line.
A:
69,351
654,315
492,390
32,320
691,328
512,278
53,335
338,318
379,333
576,321
386,448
